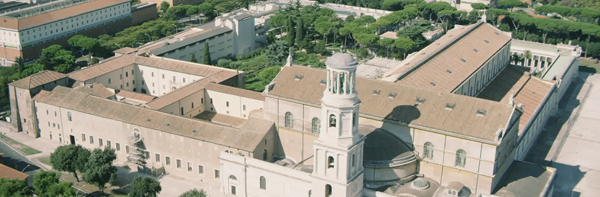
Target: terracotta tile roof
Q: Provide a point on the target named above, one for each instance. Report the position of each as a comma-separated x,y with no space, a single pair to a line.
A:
38,79
189,89
135,96
244,138
447,70
235,91
221,118
102,68
528,91
95,89
55,15
126,50
456,114
9,173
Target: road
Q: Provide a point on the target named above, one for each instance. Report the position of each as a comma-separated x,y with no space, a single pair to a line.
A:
14,160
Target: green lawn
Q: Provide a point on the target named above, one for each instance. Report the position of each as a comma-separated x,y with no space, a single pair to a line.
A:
45,160
17,145
586,65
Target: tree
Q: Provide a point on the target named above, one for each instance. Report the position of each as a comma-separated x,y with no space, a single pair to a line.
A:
511,4
100,169
90,44
388,43
56,58
20,64
404,44
300,32
47,183
164,6
193,193
14,187
70,158
480,6
193,58
492,15
319,47
277,53
206,54
290,31
207,10
32,69
594,49
142,187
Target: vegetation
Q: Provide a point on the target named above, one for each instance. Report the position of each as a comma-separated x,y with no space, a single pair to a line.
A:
99,169
48,184
194,193
587,15
206,54
14,187
144,187
70,158
19,146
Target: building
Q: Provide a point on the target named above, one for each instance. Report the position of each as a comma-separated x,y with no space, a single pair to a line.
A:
465,5
27,31
313,132
230,35
173,2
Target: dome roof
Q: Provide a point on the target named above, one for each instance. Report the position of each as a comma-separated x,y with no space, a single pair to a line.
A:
341,60
383,147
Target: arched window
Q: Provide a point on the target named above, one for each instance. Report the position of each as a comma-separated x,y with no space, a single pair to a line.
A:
265,155
428,150
332,120
134,89
328,190
342,82
69,116
289,120
461,158
263,183
316,125
330,162
232,178
309,193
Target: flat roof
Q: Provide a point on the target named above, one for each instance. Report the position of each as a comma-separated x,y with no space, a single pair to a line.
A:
449,67
452,113
559,67
203,35
526,179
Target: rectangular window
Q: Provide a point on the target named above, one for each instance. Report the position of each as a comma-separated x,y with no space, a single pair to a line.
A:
83,137
100,141
217,175
178,163
168,160
91,139
244,107
227,103
108,144
189,166
118,146
157,156
174,79
200,169
127,149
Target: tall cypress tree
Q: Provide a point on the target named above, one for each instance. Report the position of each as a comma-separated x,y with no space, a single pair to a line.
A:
193,58
300,32
290,32
206,54
20,64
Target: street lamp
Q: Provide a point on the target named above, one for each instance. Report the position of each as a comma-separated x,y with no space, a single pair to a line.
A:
118,45
149,37
25,167
175,27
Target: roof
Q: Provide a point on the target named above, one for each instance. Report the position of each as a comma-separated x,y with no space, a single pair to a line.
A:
559,68
38,79
462,120
9,173
528,91
95,89
135,96
382,147
447,70
525,179
55,15
203,35
242,16
221,118
126,50
156,62
233,137
189,89
341,60
235,91
389,34
455,185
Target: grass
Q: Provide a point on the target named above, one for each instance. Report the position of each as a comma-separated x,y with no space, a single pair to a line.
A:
21,147
109,191
588,65
45,160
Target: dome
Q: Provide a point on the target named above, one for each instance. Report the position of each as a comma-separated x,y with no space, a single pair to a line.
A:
341,60
383,147
420,184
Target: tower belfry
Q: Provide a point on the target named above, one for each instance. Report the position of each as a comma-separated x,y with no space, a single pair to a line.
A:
338,169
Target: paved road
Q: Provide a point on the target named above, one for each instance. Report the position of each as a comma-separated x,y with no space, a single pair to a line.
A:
15,160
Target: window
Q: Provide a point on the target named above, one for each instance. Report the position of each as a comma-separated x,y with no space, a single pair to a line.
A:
157,157
200,169
152,74
108,144
244,107
178,163
263,183
211,101
69,116
332,120
353,159
330,162
328,190
168,160
163,76
201,100
120,76
189,166
126,149
428,150
289,120
132,72
118,146
91,139
461,158
100,142
182,111
55,114
226,103
174,79
126,74
354,117
127,84
83,137
316,124
217,174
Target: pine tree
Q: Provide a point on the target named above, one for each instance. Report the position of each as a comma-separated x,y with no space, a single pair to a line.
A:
290,32
193,58
20,64
206,54
300,32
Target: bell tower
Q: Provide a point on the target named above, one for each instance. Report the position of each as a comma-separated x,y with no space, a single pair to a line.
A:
338,151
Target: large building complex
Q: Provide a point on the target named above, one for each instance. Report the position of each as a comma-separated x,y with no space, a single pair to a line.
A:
26,32
455,119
